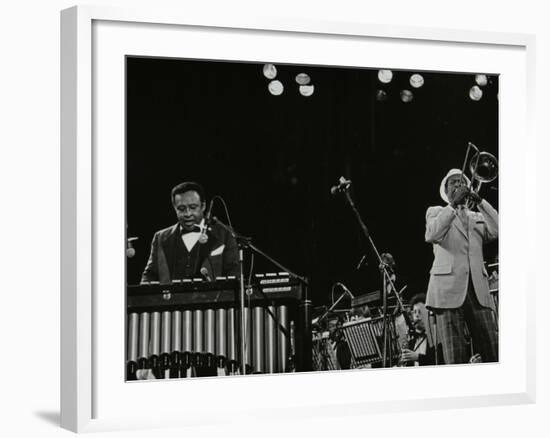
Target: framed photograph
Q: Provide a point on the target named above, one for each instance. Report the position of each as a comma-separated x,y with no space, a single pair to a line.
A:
254,206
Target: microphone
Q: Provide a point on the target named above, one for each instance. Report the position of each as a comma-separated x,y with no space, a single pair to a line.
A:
207,221
343,185
362,262
205,274
346,289
208,217
130,251
388,261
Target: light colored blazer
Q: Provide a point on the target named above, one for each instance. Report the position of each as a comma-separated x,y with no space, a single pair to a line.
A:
458,253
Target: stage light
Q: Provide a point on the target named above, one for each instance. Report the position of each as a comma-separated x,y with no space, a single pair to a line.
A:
481,80
303,79
406,96
307,90
385,76
416,80
381,96
276,88
270,71
476,93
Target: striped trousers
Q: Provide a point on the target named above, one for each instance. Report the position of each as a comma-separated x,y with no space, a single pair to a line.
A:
482,326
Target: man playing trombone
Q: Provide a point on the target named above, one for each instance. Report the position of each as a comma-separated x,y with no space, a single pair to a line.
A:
458,291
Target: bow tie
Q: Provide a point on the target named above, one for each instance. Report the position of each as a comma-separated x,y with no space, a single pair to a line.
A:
195,229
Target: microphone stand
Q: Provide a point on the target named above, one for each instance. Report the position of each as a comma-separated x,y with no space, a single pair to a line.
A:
331,308
386,281
243,243
325,352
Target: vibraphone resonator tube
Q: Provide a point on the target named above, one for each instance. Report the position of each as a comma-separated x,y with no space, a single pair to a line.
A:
193,328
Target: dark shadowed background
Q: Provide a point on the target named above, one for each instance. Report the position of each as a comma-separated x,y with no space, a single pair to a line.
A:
274,158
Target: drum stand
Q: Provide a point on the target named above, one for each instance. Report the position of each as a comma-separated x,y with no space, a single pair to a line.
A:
246,243
387,283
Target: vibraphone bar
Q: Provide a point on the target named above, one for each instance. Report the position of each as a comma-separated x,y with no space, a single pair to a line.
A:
191,327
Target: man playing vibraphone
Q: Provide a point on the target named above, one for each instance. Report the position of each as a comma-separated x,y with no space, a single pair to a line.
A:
191,248
187,250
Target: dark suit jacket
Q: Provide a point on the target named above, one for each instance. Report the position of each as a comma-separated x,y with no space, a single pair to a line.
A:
219,255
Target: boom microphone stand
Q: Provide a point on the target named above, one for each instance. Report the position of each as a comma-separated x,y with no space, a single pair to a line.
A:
331,308
246,243
387,282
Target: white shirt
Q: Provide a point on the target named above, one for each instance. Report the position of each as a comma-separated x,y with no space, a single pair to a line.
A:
191,239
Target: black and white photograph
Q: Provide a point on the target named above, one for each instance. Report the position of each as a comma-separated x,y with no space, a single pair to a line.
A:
291,218
303,218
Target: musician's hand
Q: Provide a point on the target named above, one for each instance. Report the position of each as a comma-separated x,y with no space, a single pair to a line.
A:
458,196
474,196
409,355
476,358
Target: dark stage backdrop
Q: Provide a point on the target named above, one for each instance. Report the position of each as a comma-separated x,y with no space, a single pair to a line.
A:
274,158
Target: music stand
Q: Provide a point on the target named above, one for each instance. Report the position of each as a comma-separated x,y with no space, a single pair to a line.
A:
324,353
365,339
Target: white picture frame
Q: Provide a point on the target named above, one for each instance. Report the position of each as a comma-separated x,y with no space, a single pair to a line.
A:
87,66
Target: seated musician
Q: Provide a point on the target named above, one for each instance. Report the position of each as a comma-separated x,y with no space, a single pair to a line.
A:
336,336
360,312
422,351
191,248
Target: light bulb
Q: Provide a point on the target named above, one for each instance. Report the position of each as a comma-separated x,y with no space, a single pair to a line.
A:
385,76
476,93
416,80
406,96
303,79
307,90
276,88
270,71
481,80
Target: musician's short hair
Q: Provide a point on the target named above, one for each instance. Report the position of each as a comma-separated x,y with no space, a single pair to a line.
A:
362,311
418,298
189,186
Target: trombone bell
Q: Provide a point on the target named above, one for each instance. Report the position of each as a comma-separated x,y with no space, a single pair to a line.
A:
483,166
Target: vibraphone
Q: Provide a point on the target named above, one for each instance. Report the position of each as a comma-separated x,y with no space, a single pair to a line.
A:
195,325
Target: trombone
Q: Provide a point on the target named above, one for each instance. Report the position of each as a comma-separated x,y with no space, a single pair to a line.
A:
482,165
